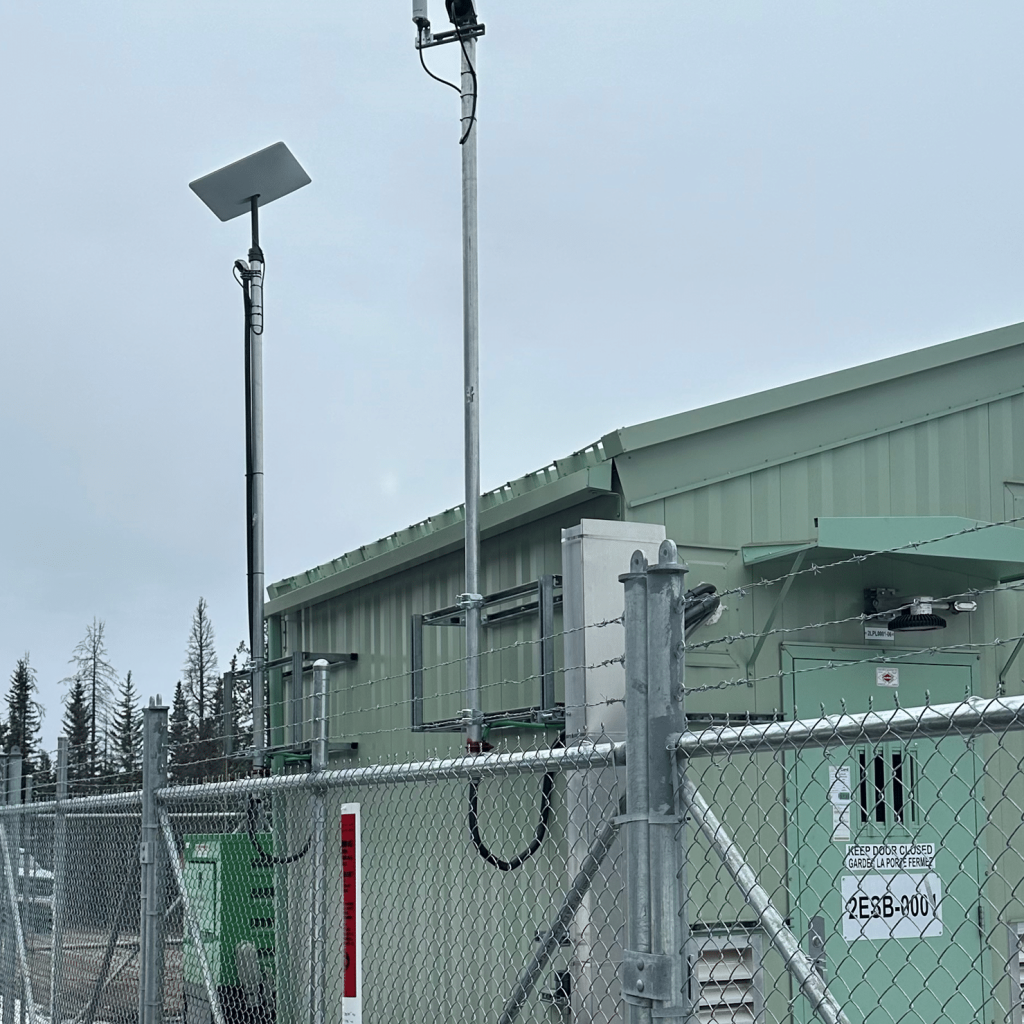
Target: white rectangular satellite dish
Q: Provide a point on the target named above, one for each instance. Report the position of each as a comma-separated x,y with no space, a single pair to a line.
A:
271,173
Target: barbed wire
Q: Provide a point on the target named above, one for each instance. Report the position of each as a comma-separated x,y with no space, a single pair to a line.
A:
815,569
834,665
732,638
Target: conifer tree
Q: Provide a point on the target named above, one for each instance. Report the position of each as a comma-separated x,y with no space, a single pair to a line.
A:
93,668
44,783
181,738
23,714
81,760
202,676
241,663
126,741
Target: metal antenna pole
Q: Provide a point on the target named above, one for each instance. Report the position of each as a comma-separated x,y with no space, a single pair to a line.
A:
472,599
256,485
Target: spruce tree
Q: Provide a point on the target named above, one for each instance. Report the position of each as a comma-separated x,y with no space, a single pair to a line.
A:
181,738
81,760
126,738
23,714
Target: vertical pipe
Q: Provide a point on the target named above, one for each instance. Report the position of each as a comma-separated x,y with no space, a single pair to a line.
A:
471,380
59,1009
318,866
256,486
295,698
638,897
416,656
228,710
321,672
546,611
666,831
153,866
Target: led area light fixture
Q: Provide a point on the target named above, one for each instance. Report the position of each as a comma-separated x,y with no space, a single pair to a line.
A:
911,615
243,187
461,13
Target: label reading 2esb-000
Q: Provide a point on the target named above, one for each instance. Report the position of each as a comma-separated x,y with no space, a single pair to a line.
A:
903,906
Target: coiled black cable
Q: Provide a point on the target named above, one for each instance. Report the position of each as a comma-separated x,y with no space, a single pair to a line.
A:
546,787
266,860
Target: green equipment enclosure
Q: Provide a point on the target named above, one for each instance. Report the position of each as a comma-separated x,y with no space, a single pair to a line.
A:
232,897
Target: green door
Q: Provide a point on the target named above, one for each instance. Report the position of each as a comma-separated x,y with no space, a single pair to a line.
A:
882,843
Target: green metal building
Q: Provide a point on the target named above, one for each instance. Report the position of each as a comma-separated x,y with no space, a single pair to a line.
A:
914,447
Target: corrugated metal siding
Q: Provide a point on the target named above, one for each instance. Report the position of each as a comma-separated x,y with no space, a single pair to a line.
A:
371,700
952,465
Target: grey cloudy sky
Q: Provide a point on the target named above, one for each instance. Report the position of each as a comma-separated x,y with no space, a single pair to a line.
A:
680,202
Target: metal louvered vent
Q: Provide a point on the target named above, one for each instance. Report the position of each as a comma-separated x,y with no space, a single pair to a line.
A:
727,971
1016,971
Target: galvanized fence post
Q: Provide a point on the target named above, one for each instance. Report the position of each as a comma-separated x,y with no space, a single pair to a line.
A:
662,973
638,895
10,840
58,918
318,902
153,864
12,768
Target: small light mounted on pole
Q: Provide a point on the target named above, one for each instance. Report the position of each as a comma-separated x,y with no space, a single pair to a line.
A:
239,188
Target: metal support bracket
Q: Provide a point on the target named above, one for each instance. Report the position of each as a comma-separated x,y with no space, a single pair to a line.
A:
645,976
776,608
429,38
816,945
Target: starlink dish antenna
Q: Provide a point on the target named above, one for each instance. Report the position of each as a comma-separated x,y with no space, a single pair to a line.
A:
238,188
466,30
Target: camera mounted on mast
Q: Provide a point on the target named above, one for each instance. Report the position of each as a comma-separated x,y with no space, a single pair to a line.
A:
461,13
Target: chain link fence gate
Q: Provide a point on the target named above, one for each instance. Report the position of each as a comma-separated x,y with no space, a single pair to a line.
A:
864,864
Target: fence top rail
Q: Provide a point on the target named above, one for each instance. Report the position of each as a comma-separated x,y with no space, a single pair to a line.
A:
76,803
973,716
593,755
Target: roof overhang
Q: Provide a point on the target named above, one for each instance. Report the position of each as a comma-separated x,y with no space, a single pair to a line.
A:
496,516
969,546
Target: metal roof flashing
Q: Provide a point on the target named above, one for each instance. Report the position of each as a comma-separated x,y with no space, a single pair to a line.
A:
985,550
561,485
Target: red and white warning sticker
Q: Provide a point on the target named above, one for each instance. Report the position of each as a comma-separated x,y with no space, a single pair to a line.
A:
887,677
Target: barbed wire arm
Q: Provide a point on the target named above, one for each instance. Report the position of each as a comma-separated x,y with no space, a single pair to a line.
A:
776,608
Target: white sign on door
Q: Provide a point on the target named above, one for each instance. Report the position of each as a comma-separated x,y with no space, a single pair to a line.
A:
839,799
902,906
890,857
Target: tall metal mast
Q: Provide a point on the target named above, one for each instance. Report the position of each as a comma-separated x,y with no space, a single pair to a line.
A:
466,32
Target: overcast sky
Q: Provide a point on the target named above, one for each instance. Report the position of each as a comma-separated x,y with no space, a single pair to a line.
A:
680,202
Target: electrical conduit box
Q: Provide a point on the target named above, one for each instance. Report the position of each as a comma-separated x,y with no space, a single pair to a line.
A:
594,555
233,902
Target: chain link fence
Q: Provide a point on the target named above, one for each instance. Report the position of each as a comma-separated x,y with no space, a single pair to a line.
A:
865,863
